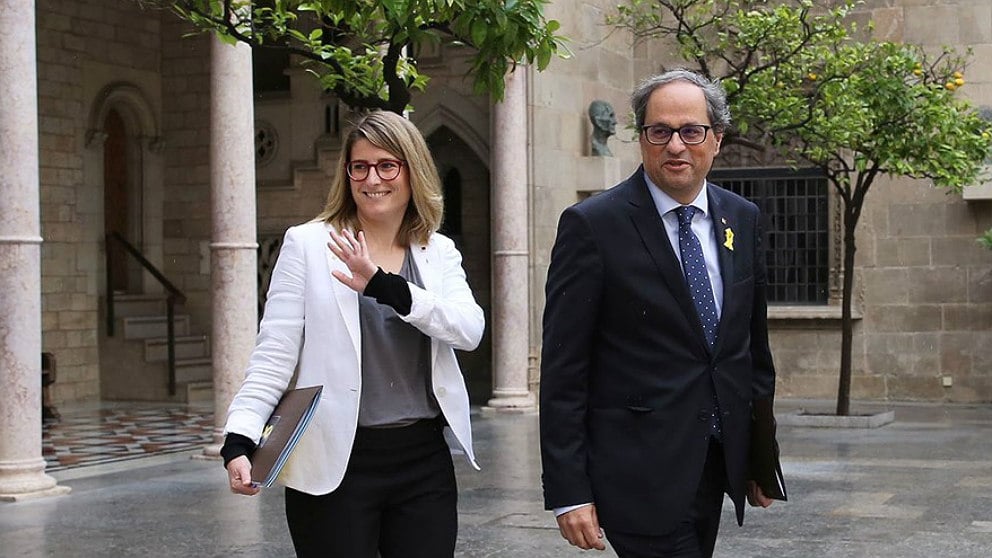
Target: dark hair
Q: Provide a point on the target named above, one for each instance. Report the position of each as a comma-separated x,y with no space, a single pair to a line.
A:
716,97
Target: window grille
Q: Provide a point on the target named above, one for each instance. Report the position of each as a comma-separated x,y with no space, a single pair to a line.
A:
268,251
795,212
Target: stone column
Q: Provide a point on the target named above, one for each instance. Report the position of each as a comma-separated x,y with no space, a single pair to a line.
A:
233,256
510,253
22,469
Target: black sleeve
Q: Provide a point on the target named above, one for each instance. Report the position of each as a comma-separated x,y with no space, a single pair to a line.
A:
236,445
390,289
573,301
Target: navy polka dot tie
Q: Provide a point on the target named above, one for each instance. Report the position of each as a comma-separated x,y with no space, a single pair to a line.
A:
694,267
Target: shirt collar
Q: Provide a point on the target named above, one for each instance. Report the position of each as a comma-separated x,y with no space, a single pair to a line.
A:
664,203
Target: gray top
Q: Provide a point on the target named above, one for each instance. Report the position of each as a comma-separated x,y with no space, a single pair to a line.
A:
396,380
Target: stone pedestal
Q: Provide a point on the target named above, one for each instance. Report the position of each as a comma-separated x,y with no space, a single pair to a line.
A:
594,174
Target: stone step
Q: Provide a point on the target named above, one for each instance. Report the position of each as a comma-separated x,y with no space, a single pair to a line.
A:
328,153
187,346
128,305
194,370
144,327
199,391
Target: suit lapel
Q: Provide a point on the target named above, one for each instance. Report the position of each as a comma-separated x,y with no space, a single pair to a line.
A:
722,223
427,260
652,231
424,256
347,300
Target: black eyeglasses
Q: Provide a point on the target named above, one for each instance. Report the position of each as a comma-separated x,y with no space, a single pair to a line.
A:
659,134
387,169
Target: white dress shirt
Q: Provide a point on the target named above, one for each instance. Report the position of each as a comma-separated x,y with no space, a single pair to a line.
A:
702,225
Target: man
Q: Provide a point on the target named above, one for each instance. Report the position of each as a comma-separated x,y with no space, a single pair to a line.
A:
655,357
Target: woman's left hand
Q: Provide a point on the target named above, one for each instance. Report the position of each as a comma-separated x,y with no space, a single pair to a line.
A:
355,254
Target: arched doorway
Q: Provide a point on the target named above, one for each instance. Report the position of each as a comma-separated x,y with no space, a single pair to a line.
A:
465,179
117,194
123,167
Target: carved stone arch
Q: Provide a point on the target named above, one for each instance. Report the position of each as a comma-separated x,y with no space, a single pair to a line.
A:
133,106
141,155
450,115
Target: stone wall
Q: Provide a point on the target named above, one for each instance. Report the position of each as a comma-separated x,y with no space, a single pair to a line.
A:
76,39
604,66
186,207
923,285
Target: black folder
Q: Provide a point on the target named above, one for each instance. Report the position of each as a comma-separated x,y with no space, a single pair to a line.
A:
765,467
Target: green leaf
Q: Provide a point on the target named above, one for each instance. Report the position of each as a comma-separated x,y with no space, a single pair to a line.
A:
479,31
543,57
495,32
225,38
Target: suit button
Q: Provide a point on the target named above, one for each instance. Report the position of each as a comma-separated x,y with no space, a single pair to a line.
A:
703,416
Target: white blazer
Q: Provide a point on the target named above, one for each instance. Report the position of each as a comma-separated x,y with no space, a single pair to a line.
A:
311,320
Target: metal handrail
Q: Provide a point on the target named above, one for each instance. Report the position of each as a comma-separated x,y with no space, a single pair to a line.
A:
170,301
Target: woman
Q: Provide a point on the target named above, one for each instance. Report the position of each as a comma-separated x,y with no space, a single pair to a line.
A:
369,301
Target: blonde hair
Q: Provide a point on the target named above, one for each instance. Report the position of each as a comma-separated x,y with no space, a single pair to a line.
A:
397,135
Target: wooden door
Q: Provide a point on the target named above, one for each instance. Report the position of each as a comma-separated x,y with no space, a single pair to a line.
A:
115,197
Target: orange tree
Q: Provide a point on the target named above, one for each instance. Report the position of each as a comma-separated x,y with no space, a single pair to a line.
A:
798,80
361,50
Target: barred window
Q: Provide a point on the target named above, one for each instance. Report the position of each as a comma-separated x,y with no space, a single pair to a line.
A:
795,210
269,246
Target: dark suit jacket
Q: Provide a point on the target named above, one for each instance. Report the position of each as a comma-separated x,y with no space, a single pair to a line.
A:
626,371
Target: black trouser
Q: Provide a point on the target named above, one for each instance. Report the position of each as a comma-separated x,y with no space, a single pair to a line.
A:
398,497
695,537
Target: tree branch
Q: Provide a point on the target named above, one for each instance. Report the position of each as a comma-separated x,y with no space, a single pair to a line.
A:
399,90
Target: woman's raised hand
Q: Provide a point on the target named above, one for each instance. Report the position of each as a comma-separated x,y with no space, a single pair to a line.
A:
355,254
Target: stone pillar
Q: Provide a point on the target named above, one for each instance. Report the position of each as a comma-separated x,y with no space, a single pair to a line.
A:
233,256
22,469
510,255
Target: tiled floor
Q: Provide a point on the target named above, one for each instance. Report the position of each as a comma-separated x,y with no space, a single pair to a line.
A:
121,431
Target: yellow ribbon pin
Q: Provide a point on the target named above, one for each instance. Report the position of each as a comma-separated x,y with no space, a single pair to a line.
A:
728,238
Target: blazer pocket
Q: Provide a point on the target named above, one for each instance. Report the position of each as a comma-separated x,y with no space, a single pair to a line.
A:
639,410
746,281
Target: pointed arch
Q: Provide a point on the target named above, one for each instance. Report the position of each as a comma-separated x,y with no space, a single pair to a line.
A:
465,178
460,116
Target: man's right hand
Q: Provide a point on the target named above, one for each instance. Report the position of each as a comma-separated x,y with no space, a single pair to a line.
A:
580,527
239,476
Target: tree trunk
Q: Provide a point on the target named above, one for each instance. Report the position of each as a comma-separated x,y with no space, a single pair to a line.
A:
851,214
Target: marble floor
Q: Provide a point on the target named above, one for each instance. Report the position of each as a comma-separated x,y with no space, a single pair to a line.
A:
105,433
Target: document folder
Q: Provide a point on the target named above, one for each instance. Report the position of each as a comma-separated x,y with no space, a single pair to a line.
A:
281,433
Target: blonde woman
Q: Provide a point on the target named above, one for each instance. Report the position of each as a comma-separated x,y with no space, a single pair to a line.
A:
370,301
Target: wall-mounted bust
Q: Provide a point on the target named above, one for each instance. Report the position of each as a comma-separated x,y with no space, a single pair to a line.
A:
604,125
